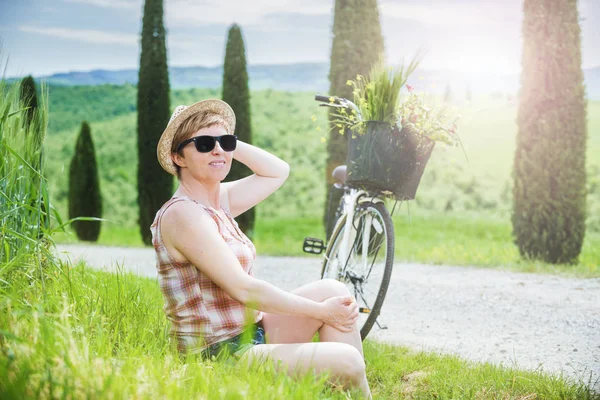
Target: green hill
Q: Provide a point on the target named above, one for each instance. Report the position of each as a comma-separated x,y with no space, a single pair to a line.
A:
283,124
301,77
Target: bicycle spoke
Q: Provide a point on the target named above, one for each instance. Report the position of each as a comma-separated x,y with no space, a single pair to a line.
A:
364,258
374,259
365,252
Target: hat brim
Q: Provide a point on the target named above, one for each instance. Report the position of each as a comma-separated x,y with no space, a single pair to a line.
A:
163,150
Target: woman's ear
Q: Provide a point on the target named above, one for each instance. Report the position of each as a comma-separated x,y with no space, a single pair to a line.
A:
178,159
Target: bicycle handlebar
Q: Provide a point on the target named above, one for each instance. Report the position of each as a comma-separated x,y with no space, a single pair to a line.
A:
334,101
320,97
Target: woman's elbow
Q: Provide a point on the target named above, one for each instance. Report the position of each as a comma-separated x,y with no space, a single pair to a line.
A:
285,171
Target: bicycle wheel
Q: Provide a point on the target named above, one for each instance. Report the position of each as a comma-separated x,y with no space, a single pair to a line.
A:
366,267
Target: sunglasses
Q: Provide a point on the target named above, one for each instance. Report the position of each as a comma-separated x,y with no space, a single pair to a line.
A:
206,143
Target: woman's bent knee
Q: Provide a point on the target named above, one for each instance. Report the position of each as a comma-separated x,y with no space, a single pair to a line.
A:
349,364
336,288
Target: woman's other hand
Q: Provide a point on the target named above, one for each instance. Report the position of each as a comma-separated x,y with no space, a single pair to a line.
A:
341,312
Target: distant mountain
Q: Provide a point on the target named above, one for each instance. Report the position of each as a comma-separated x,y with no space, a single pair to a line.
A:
314,77
289,77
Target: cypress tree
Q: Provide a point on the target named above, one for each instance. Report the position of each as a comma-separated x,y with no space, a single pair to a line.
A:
154,184
549,168
357,45
84,187
29,97
237,94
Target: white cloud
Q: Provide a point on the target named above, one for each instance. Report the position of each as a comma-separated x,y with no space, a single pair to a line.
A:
242,12
454,14
220,11
109,3
83,35
190,43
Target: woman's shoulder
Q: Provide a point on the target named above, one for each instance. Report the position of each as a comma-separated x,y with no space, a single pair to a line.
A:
183,209
184,220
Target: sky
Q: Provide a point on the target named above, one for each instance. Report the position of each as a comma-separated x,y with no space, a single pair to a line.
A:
41,37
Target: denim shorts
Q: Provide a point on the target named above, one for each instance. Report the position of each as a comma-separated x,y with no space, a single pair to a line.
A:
237,345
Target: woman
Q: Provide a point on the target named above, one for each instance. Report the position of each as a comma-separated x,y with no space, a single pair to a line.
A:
204,261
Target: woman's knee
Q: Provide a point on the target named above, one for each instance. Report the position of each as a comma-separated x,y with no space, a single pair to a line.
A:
336,288
349,364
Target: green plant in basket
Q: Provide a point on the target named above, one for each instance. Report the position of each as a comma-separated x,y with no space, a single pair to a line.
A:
377,97
391,139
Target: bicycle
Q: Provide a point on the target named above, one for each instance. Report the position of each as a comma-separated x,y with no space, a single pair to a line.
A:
363,229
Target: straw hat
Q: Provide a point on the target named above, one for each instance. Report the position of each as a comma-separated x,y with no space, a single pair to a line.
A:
181,113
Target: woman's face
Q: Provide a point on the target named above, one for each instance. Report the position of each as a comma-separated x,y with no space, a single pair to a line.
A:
210,167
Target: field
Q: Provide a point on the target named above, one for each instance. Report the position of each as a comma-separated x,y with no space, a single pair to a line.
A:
71,332
461,214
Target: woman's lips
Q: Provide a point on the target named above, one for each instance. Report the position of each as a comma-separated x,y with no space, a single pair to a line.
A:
217,164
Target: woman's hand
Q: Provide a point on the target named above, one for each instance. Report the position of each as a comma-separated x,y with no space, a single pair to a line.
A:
341,312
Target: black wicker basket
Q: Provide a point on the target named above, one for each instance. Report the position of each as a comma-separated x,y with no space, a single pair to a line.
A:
385,158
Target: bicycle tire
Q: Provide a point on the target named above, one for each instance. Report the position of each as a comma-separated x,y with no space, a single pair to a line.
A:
333,248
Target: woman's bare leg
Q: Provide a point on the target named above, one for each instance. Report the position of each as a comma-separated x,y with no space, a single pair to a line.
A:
291,329
343,362
332,354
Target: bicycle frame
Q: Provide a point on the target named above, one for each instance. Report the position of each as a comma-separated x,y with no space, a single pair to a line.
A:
352,197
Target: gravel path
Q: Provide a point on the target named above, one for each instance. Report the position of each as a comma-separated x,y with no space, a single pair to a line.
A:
523,320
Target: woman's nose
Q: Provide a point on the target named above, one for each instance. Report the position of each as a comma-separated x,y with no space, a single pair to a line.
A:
218,149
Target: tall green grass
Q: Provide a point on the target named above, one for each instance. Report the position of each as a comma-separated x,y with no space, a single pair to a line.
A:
100,335
24,195
92,334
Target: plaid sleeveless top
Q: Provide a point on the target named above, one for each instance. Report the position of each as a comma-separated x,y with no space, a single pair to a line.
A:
200,312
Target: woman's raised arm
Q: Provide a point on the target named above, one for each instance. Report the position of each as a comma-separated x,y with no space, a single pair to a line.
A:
269,174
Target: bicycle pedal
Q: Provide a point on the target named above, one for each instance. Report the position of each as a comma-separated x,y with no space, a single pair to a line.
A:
313,245
364,310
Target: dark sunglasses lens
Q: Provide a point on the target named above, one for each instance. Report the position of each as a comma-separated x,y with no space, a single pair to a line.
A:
204,144
228,142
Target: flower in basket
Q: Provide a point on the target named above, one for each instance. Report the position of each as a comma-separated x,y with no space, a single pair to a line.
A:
378,98
435,123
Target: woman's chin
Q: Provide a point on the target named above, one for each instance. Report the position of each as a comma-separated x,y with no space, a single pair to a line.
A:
219,176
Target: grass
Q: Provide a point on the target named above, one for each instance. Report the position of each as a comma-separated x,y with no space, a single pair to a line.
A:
23,191
91,334
476,239
464,239
111,234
